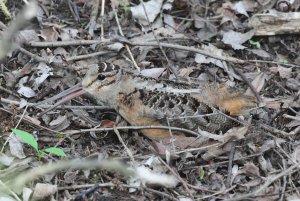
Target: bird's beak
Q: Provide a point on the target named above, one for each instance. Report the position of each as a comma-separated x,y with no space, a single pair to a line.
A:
66,95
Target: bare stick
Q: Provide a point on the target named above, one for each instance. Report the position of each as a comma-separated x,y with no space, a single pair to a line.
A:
8,91
274,130
248,83
74,58
199,51
93,17
160,47
11,133
191,49
67,43
291,117
133,128
230,162
177,176
75,15
61,107
102,16
290,170
126,46
123,143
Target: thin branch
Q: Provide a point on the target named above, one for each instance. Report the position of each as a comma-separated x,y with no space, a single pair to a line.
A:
191,49
160,47
290,170
9,92
102,17
74,13
133,128
274,130
11,133
177,176
123,143
86,56
33,56
230,162
248,83
205,53
68,43
122,34
61,107
92,24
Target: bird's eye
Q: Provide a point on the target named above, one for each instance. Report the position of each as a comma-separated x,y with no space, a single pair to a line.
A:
101,77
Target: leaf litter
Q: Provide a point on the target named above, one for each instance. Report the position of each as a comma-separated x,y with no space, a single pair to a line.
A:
54,51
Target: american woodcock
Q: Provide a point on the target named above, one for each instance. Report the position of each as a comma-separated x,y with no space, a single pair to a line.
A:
147,101
144,101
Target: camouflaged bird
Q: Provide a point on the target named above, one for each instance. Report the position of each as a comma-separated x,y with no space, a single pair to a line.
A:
148,101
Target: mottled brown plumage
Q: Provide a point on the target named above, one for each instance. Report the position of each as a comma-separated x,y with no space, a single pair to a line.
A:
148,101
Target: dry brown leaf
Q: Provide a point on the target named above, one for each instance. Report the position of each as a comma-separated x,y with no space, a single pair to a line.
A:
283,72
243,6
260,53
49,34
5,159
236,39
67,34
280,102
252,183
26,91
232,134
153,72
293,84
43,71
152,8
41,191
207,29
107,123
236,133
295,155
60,123
26,36
16,147
199,58
217,150
263,163
258,83
251,170
270,144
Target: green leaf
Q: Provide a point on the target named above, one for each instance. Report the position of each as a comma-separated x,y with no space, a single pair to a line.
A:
26,138
255,43
201,174
56,151
40,154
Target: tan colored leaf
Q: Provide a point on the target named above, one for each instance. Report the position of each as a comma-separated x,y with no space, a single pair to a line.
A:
258,83
41,191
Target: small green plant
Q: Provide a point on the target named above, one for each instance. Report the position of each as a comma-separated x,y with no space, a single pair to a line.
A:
30,140
201,174
125,5
255,43
4,9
